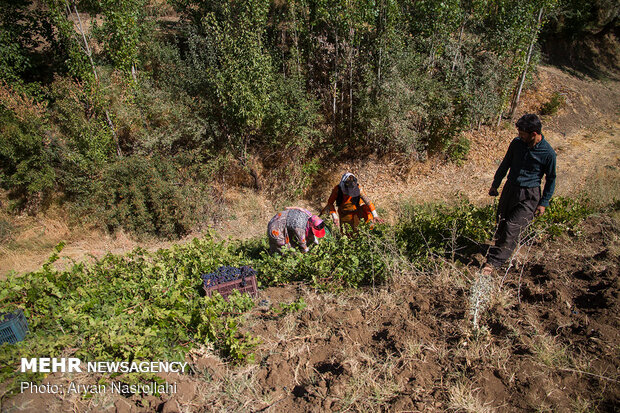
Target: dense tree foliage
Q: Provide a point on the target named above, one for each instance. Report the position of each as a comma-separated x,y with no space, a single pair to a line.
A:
583,35
192,86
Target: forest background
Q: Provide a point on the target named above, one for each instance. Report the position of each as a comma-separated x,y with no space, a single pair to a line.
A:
133,114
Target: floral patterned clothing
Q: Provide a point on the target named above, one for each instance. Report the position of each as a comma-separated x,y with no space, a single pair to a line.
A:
289,227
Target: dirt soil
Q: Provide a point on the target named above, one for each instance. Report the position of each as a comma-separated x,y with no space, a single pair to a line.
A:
548,340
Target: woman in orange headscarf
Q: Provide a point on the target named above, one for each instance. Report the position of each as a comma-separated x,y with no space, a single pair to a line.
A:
352,202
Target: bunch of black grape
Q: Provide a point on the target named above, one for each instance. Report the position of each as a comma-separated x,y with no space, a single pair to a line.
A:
227,273
6,317
9,316
247,271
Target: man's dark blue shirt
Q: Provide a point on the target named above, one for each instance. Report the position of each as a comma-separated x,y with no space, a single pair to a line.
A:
527,167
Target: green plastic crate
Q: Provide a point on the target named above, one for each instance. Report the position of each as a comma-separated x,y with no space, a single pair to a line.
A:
13,327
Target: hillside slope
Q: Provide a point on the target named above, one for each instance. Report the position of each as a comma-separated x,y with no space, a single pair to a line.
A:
585,133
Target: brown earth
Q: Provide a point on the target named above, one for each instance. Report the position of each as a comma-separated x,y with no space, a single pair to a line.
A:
548,341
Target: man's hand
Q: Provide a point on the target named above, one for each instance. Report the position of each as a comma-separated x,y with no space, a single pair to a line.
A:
539,210
493,192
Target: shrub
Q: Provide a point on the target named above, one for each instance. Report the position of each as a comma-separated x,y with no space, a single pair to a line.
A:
394,118
125,307
442,230
458,150
338,262
85,142
562,214
554,104
143,196
169,123
457,231
26,158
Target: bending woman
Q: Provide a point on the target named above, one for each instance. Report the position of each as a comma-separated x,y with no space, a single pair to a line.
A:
295,226
352,202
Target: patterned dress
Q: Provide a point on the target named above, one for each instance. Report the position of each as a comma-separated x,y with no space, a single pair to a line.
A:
289,227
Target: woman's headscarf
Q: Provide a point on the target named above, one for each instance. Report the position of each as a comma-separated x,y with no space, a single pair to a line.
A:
351,189
314,224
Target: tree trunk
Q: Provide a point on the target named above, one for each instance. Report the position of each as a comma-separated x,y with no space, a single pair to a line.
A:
334,109
293,12
88,52
431,56
380,31
379,69
517,96
351,54
351,99
458,46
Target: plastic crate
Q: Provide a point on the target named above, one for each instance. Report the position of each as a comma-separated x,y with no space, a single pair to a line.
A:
243,285
13,327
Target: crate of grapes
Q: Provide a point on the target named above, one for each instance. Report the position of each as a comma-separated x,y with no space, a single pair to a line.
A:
13,327
226,279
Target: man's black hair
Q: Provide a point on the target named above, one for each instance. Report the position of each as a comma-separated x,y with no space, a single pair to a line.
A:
529,123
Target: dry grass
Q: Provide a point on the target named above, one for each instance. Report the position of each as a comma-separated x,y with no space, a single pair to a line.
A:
604,183
581,405
413,350
463,398
549,352
372,384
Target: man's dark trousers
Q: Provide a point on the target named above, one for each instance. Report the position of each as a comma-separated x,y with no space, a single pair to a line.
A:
514,212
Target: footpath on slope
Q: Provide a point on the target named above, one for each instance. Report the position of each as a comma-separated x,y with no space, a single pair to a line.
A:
585,134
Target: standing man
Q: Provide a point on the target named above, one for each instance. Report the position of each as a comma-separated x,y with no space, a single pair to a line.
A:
529,157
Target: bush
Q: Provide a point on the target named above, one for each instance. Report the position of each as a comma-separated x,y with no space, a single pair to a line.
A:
125,307
457,231
556,102
143,196
26,158
169,123
85,142
336,262
563,214
458,150
440,230
394,118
